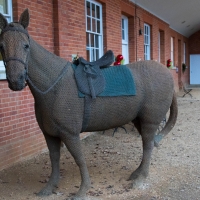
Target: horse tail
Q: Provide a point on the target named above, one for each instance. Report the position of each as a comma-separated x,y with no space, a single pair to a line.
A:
170,123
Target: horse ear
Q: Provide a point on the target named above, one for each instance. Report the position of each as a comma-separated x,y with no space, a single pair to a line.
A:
24,18
3,22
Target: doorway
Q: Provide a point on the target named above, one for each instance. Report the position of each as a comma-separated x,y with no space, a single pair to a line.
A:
125,51
195,69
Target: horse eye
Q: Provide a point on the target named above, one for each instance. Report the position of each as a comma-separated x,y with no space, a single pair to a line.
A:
26,46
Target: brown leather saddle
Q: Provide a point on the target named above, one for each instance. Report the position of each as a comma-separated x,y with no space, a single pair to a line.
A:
88,75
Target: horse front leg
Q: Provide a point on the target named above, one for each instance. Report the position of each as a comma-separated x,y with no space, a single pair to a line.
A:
147,132
74,146
53,144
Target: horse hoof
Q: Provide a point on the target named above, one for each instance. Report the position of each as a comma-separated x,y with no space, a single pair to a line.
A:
157,140
140,184
44,192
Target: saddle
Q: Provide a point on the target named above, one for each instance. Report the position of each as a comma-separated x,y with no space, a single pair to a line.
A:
88,75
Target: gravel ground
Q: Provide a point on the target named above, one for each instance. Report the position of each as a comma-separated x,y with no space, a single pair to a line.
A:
174,170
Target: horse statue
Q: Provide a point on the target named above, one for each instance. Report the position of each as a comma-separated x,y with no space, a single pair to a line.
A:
61,112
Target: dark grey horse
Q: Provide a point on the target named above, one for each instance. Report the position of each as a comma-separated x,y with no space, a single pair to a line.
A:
59,111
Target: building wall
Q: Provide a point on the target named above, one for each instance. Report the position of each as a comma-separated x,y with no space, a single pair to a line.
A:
194,43
59,26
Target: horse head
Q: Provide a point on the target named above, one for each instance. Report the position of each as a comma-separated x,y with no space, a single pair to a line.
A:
14,48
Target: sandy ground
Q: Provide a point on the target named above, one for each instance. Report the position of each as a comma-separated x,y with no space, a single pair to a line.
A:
174,170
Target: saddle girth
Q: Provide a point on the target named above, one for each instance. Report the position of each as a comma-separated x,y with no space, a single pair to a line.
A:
90,80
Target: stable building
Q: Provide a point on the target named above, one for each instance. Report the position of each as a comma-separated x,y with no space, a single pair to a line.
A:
137,30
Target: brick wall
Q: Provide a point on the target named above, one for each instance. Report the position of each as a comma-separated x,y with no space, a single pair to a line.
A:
194,43
71,28
20,136
59,26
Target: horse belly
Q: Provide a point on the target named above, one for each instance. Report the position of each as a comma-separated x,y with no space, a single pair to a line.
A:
110,112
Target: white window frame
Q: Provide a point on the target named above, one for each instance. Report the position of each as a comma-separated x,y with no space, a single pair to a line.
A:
124,30
125,44
172,51
9,17
147,42
95,52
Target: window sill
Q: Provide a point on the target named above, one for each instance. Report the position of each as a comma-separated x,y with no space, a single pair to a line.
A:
173,67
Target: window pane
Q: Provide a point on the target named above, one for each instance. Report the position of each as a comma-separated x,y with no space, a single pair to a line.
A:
96,41
88,8
88,24
123,35
87,39
92,40
97,54
98,27
93,10
122,23
92,55
3,7
88,54
98,12
93,25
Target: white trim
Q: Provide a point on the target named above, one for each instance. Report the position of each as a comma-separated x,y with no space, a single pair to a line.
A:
172,50
147,42
125,44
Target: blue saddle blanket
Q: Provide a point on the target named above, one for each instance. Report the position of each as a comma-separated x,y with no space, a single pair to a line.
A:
119,81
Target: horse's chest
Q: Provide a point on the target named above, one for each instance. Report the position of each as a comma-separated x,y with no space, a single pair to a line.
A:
44,112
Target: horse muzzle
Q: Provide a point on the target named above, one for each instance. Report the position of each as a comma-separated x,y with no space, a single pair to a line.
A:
18,84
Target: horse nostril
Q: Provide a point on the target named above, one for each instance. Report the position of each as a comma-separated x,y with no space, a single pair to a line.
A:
21,77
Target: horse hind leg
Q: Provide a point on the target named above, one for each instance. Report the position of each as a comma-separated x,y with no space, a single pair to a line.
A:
147,131
53,144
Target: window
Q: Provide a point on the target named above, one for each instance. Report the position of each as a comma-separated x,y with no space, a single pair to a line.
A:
6,10
147,42
172,51
124,29
94,41
125,48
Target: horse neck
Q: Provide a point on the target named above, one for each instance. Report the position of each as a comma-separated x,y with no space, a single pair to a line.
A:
44,67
